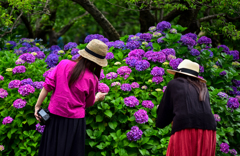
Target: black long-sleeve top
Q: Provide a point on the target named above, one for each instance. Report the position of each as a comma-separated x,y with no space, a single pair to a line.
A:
180,104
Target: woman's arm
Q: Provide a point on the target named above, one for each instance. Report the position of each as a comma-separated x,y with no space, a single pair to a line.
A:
41,97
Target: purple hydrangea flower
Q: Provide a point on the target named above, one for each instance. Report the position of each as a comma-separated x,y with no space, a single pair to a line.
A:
139,53
104,40
160,40
52,60
14,84
157,79
19,103
131,61
138,34
157,71
115,84
135,85
133,45
19,69
233,151
70,45
238,97
204,40
102,87
217,117
19,61
148,104
48,72
222,95
74,51
119,44
224,147
164,88
55,47
110,44
102,76
26,89
152,29
142,65
27,45
111,75
75,57
211,53
223,73
1,78
236,82
33,49
124,70
201,69
126,87
171,57
92,36
174,63
40,55
27,81
192,35
157,34
109,56
141,116
225,48
188,41
235,54
163,25
131,101
169,51
7,120
3,93
14,44
194,52
38,85
144,87
1,147
135,134
20,51
233,103
29,58
234,90
40,128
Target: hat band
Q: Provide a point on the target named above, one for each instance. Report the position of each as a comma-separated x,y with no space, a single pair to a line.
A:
189,71
94,54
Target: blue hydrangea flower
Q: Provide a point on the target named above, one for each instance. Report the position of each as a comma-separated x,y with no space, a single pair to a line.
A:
163,25
157,71
194,52
54,47
204,40
142,65
133,45
70,45
52,60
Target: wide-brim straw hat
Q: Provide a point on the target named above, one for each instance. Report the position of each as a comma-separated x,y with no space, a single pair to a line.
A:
95,51
189,68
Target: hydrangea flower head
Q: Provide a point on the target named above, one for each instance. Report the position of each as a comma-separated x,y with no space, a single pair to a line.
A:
104,40
102,87
26,90
160,40
133,45
111,75
157,34
235,54
126,87
131,61
119,44
152,29
131,101
40,128
148,104
93,36
1,78
3,93
222,95
70,45
26,81
54,47
157,71
141,116
217,117
201,69
224,147
163,25
29,58
19,103
27,45
138,53
124,70
19,69
175,62
194,52
1,147
19,61
233,103
12,43
142,65
109,56
157,79
238,97
40,55
173,31
74,51
204,40
38,85
144,87
135,134
170,57
223,73
115,84
33,49
133,38
164,88
188,41
169,51
233,151
110,44
14,84
102,76
135,85
225,48
52,60
192,35
7,120
146,37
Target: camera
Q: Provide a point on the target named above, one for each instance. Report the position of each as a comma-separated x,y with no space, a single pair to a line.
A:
45,116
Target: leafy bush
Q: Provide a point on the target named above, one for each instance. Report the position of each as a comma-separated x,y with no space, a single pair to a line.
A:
124,123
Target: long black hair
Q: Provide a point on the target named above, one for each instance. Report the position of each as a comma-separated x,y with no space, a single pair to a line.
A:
80,67
200,86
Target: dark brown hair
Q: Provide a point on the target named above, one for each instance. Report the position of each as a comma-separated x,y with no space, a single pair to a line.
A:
80,67
200,86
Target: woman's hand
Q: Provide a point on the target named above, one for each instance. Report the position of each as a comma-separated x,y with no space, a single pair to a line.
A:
35,114
100,96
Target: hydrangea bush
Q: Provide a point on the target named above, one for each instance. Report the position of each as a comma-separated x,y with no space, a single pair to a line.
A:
135,79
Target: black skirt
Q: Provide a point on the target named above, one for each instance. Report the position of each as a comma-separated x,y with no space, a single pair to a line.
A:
63,137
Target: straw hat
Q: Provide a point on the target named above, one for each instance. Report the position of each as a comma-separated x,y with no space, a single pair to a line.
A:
95,51
189,68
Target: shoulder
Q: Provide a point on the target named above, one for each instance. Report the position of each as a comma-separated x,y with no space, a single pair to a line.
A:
90,76
178,82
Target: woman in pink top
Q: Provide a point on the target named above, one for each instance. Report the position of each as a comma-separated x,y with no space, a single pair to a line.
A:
74,85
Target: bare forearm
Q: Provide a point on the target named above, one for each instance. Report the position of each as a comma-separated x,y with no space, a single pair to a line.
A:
41,97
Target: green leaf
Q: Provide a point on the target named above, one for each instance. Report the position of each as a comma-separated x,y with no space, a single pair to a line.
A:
31,121
113,124
133,144
108,113
119,133
120,55
9,134
156,47
145,140
91,153
99,118
13,130
89,132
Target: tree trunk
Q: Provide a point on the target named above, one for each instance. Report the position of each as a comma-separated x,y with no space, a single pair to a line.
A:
146,20
100,19
53,37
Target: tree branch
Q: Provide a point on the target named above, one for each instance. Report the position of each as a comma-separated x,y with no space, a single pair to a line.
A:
207,18
171,15
68,26
28,26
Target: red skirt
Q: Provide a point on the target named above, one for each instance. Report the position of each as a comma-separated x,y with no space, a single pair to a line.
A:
192,142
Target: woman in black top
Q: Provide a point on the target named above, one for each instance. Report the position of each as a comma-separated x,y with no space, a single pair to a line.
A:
186,102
